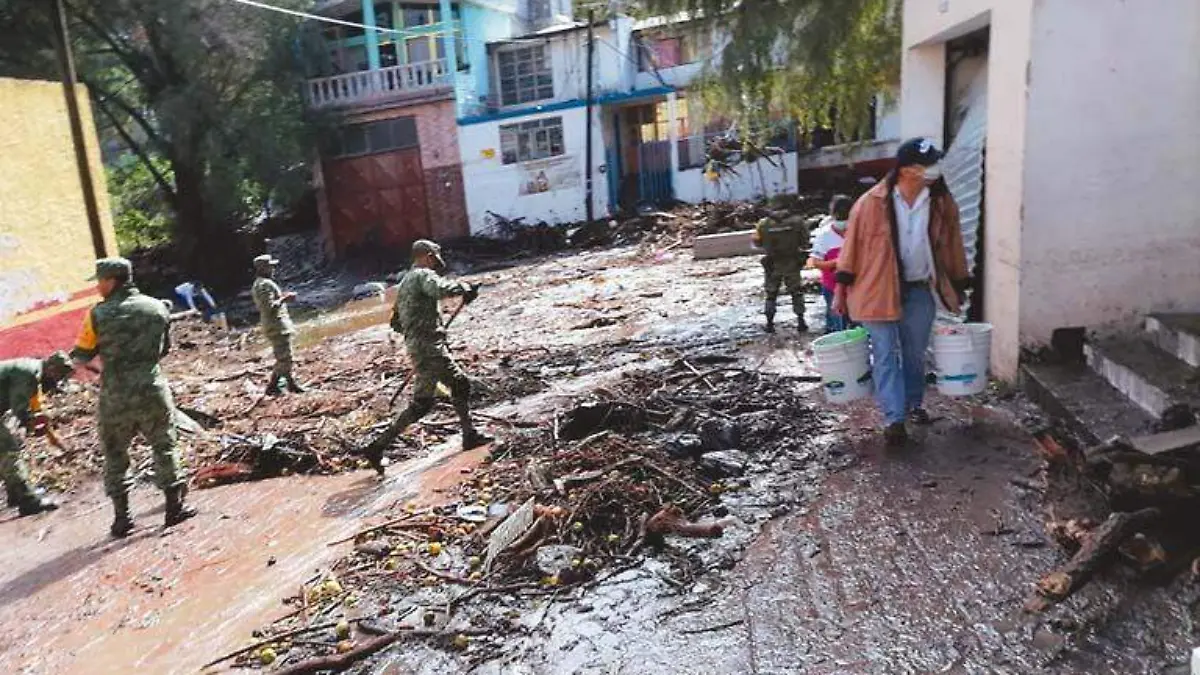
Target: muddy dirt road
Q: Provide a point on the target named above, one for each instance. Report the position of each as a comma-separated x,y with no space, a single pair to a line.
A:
840,558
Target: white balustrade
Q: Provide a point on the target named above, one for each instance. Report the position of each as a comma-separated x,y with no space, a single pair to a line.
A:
373,86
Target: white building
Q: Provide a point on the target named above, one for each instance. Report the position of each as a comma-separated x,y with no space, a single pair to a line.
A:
1086,112
524,146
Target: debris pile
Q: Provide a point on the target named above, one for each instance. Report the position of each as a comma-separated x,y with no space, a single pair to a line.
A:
1149,494
624,473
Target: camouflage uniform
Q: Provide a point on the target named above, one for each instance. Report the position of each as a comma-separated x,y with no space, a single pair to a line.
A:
417,316
784,243
276,323
128,331
20,393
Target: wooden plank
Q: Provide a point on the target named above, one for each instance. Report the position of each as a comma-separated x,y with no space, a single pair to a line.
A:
509,531
1156,444
725,245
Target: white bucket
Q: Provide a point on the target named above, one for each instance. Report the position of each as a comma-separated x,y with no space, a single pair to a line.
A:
962,354
843,359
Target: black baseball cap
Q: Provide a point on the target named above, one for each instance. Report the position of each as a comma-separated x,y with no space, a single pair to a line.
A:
919,151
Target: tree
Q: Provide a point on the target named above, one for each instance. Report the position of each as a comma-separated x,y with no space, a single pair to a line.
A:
821,62
206,94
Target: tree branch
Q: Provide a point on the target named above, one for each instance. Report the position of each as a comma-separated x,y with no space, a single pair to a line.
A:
168,189
129,109
125,55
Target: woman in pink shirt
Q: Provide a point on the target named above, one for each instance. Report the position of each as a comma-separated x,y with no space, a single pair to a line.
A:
826,244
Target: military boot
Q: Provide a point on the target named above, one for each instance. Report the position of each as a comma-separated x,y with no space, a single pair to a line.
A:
14,498
473,438
34,504
177,508
373,451
273,389
294,386
122,523
801,325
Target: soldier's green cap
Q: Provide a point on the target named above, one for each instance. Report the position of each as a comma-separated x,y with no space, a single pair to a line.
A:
423,246
57,361
112,268
265,260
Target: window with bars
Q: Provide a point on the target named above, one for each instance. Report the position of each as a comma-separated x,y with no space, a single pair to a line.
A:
531,140
525,75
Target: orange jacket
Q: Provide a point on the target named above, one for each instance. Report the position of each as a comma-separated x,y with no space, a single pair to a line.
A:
869,264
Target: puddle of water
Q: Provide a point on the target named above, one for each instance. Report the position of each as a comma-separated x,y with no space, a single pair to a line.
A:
352,317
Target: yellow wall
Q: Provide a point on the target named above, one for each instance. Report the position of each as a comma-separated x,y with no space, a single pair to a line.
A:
46,251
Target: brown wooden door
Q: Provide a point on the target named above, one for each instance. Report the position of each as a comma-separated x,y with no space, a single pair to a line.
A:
377,200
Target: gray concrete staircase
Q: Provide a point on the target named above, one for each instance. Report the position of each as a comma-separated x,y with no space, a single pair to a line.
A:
1130,385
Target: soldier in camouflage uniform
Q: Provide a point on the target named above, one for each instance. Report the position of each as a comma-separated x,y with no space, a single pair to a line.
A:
417,317
276,324
783,242
128,331
22,384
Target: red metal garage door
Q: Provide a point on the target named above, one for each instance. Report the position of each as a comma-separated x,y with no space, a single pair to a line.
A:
377,200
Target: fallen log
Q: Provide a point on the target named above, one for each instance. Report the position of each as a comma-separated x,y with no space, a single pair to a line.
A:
1095,552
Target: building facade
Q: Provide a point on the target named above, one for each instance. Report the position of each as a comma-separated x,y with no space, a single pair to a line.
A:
524,146
389,172
1086,154
47,252
511,77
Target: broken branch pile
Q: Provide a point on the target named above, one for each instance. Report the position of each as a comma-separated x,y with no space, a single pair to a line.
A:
1152,496
627,470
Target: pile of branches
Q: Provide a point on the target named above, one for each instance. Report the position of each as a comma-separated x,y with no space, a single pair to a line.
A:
1150,495
563,506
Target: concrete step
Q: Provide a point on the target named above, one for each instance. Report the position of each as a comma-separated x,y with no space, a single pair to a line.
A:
1177,334
1086,403
1153,379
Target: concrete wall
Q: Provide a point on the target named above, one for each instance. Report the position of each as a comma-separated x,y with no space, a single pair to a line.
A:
495,186
46,249
928,24
692,186
888,125
480,26
1112,210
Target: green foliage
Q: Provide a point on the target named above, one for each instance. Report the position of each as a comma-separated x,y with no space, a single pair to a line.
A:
803,59
141,216
204,94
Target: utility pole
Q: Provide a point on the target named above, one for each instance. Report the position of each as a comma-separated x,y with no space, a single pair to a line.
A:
66,63
591,37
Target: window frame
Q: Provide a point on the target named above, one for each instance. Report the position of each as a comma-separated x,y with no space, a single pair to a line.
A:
373,138
535,84
694,45
532,140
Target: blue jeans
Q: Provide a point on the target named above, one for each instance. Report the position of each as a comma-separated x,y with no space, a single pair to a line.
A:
898,354
206,310
833,322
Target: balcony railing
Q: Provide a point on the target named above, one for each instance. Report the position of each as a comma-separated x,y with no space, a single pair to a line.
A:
376,86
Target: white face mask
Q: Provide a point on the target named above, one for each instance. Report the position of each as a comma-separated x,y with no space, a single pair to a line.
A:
933,172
